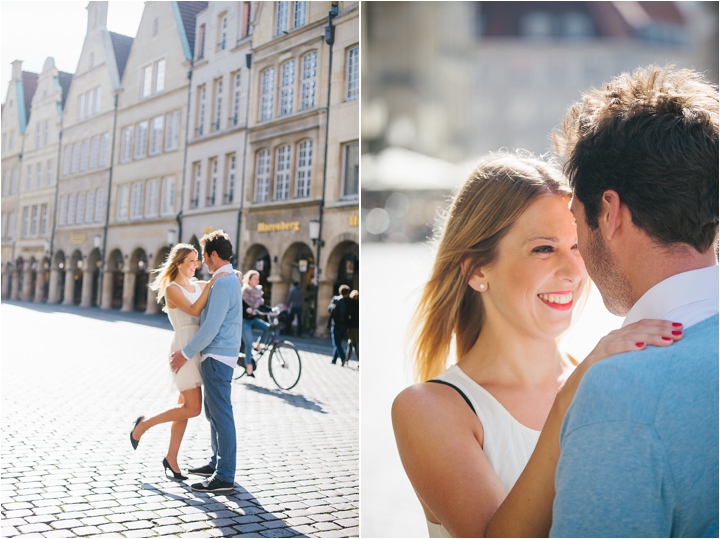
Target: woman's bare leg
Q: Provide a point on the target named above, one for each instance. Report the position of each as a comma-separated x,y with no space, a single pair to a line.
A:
177,431
189,405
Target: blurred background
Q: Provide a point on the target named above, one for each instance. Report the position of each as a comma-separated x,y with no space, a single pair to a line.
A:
444,83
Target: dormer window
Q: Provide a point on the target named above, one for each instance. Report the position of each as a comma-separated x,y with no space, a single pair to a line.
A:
92,60
156,26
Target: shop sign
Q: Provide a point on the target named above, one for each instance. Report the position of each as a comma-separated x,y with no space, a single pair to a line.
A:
282,226
354,220
77,239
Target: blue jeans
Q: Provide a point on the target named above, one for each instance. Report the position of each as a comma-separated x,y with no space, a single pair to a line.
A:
295,312
218,410
259,323
247,337
339,338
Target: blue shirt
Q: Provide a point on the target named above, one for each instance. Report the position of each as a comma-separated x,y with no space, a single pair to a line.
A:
639,444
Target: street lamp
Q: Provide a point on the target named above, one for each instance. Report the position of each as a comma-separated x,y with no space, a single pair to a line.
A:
315,233
97,241
171,237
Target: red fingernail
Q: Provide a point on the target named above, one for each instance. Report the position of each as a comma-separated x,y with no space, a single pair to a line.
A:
677,332
639,344
667,339
677,324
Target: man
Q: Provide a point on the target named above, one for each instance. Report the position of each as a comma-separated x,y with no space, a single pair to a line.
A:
639,443
295,302
339,309
219,341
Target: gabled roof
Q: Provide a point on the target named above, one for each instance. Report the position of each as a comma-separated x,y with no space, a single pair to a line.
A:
188,12
65,79
29,81
121,46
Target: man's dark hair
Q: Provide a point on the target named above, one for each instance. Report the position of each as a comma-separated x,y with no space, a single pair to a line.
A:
295,283
344,290
219,242
651,136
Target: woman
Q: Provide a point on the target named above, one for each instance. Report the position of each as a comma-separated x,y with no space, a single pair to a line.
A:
506,277
185,299
252,297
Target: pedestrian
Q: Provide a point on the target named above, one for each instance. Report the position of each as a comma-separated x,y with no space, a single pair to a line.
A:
185,298
218,342
295,303
354,325
338,322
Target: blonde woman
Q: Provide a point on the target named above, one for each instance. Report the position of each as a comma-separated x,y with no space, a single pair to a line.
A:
252,298
185,299
506,277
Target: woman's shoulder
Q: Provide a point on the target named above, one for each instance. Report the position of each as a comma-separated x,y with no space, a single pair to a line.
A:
430,402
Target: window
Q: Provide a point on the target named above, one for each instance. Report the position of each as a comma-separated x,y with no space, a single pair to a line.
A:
201,42
38,175
34,214
94,150
168,196
68,159
136,204
287,83
218,104
12,136
72,204
281,17
195,201
145,81
141,140
81,106
262,176
6,183
15,181
80,215
246,6
309,75
76,158
4,142
126,150
46,136
43,220
303,175
351,170
84,154
172,131
104,141
212,186
156,26
89,103
99,205
92,60
267,91
230,184
156,135
352,80
300,13
282,173
4,225
97,100
159,76
222,26
235,118
151,205
90,207
28,179
37,135
11,226
201,111
122,207
62,221
49,172
26,222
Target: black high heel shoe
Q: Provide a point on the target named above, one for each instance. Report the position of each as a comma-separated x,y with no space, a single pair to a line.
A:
133,441
178,476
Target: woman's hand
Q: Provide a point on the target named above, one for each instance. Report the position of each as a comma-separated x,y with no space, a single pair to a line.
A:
217,276
631,338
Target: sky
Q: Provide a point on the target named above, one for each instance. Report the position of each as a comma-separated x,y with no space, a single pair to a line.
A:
31,31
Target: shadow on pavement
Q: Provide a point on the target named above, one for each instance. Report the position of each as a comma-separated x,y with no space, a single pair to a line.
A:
292,399
234,513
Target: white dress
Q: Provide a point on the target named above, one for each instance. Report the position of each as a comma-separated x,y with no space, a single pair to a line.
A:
507,443
186,326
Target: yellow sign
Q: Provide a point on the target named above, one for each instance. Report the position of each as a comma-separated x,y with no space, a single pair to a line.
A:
208,229
282,226
77,239
354,220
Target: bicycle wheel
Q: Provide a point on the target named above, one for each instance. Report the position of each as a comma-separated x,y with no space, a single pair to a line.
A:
284,365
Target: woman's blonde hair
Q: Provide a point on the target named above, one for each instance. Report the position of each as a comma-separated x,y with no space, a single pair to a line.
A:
246,278
482,212
167,273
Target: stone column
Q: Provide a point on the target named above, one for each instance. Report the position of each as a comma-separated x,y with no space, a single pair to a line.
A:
153,307
53,289
69,291
40,286
15,285
27,285
128,291
325,294
87,286
107,290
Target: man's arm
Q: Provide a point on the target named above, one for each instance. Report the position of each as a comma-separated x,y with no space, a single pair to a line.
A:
217,308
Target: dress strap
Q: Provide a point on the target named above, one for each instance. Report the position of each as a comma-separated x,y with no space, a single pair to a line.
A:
456,388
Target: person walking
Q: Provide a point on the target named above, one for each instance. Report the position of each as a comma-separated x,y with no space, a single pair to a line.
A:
295,304
354,325
338,321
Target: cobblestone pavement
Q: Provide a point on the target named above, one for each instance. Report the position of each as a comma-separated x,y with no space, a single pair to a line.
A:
74,380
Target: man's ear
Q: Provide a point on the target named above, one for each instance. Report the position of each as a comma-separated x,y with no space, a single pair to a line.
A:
613,214
477,280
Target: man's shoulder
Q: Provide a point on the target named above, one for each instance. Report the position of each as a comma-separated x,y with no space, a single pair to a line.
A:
227,283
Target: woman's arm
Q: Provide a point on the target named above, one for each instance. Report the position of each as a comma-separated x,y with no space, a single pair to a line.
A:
176,299
527,510
439,439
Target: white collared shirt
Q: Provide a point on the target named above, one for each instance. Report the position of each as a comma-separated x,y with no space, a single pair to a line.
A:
689,297
227,360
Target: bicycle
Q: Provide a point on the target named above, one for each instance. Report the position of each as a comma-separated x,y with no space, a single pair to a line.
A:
284,363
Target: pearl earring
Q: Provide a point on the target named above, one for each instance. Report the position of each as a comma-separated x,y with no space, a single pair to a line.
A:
481,286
